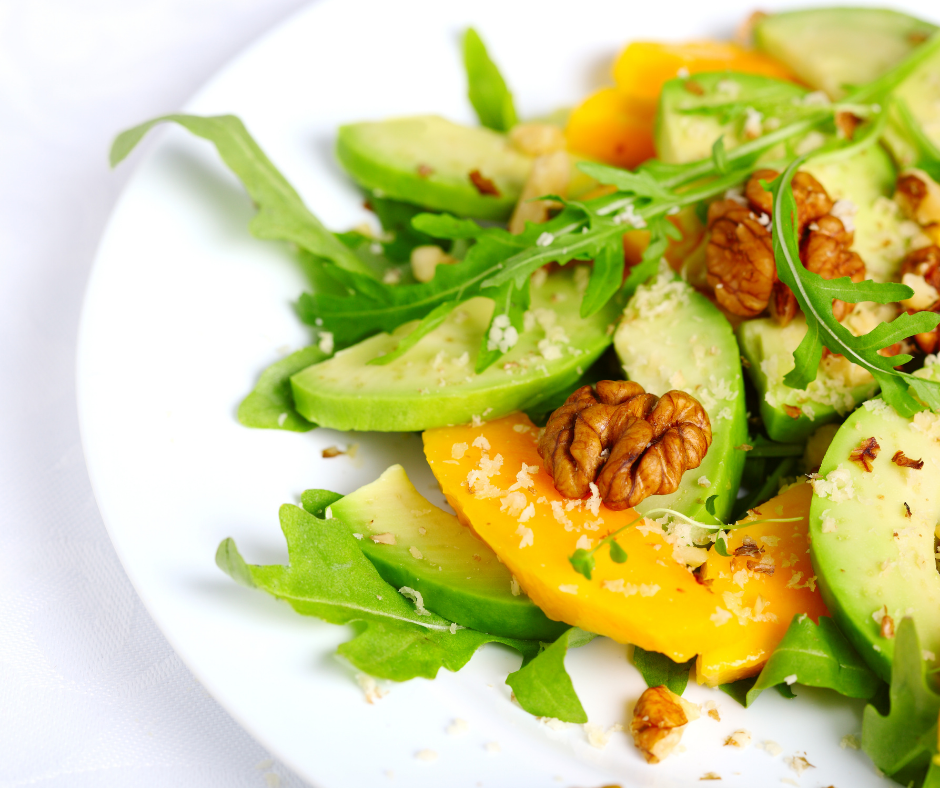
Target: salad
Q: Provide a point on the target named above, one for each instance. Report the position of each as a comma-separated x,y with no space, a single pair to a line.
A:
629,337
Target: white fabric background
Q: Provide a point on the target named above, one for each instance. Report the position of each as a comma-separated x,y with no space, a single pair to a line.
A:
91,694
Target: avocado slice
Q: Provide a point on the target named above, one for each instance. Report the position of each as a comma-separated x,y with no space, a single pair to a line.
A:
831,48
434,385
672,337
427,160
695,111
427,550
921,92
791,415
868,553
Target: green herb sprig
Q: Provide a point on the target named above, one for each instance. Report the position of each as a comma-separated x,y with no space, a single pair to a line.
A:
583,560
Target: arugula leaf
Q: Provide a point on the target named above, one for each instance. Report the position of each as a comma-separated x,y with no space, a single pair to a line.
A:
605,278
396,217
814,295
764,447
903,742
510,304
641,182
486,87
543,687
329,577
270,405
658,670
739,689
928,156
767,490
282,215
819,656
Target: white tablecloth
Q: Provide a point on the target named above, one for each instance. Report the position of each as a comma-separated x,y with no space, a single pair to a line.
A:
91,694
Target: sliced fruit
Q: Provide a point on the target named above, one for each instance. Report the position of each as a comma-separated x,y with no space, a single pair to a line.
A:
651,600
874,531
921,93
643,67
685,133
429,161
613,127
434,384
414,544
672,337
866,180
689,226
762,603
790,415
831,48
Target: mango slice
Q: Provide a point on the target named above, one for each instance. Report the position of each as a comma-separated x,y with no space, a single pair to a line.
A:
643,67
615,125
761,605
493,477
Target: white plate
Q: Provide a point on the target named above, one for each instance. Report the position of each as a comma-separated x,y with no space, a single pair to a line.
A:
185,309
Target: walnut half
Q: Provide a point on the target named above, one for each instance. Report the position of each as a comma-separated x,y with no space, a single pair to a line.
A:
633,444
659,718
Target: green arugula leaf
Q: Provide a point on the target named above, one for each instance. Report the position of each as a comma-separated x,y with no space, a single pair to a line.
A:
658,670
762,447
720,155
903,742
739,689
510,304
444,225
328,577
814,295
543,687
486,87
641,182
270,405
395,217
818,656
582,561
282,215
428,323
606,278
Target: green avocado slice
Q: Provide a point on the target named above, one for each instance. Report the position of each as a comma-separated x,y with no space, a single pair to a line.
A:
831,48
672,337
921,92
427,160
695,111
870,555
426,551
434,383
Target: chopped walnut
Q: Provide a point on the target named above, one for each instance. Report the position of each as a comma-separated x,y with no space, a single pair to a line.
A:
904,461
549,175
483,184
740,259
652,441
659,718
824,251
865,454
793,411
331,451
887,626
812,199
920,270
846,123
919,196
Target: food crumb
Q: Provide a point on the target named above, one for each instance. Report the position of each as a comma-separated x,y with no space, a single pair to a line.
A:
798,763
458,727
770,747
849,742
492,747
704,482
710,776
553,723
271,780
791,679
710,707
370,689
740,738
597,736
386,538
415,553
426,755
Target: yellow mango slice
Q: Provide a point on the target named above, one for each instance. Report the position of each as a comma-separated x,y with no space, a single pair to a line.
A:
613,127
761,605
493,477
643,67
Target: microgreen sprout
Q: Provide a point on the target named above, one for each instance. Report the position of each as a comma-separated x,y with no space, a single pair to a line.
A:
583,560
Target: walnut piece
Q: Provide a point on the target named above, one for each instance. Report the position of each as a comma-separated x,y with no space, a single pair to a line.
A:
812,199
919,196
920,270
901,459
659,718
865,454
740,259
651,442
